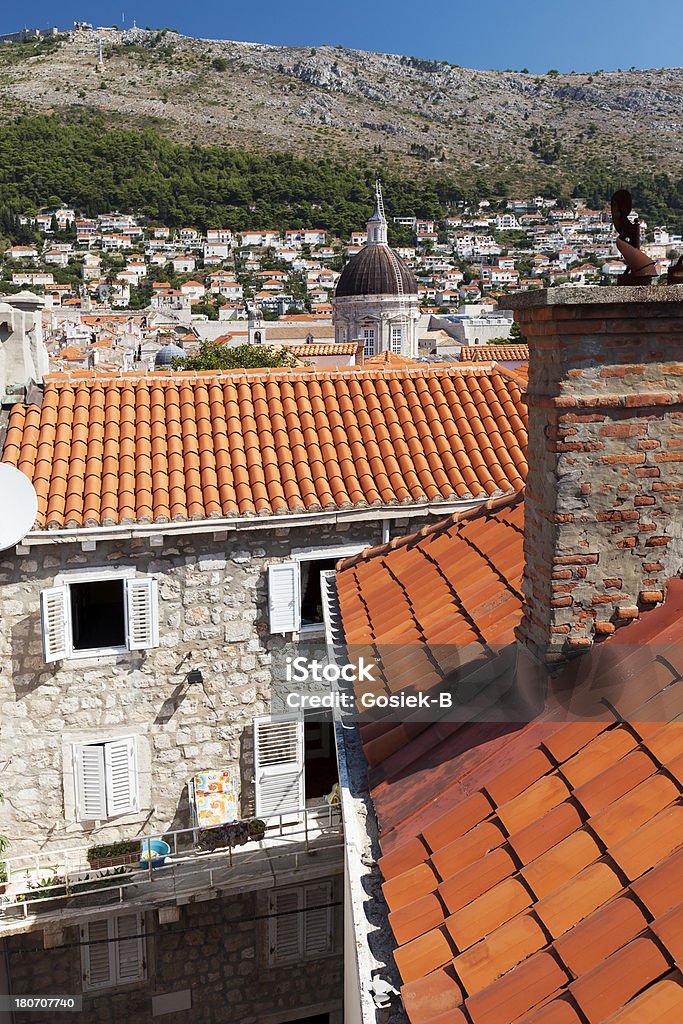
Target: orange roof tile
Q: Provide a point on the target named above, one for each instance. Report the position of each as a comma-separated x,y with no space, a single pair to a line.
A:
494,353
391,359
553,851
105,450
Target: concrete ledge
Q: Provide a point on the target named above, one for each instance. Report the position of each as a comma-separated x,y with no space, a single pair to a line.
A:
595,296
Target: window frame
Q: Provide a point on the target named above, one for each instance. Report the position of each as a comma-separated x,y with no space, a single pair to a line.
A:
369,340
293,565
396,331
127,574
107,797
303,952
320,555
114,980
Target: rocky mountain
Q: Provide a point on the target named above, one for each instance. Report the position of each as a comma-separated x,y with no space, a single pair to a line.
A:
517,128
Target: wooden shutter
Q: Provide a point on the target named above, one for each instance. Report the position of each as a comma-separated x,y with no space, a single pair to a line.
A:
113,951
285,926
120,775
279,765
54,614
129,948
142,614
284,602
317,919
97,955
91,802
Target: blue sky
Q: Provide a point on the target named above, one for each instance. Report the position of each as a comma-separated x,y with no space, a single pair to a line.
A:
583,35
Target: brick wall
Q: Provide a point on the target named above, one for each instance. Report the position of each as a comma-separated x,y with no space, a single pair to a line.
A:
604,524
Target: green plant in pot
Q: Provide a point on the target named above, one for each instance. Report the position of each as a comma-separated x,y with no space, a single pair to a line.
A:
112,854
257,828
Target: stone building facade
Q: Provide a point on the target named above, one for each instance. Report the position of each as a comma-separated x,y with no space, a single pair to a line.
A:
216,962
213,615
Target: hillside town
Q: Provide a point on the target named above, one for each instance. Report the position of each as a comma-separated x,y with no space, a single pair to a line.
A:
344,690
117,290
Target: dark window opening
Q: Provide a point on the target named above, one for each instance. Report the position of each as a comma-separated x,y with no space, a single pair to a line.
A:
311,593
97,615
320,758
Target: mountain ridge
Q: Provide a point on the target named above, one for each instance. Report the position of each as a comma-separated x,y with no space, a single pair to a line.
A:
505,131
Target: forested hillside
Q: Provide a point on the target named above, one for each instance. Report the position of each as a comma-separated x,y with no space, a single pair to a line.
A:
86,163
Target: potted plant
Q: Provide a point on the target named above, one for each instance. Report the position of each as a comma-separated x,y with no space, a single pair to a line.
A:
112,854
256,829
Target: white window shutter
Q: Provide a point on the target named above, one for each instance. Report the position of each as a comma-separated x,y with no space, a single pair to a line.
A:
130,949
284,602
285,926
142,614
121,776
279,765
91,798
54,614
97,955
317,919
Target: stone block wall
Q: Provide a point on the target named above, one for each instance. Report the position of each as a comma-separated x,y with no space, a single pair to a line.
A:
218,949
604,525
213,615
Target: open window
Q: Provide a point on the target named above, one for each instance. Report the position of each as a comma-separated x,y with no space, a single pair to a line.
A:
99,616
278,764
296,590
295,762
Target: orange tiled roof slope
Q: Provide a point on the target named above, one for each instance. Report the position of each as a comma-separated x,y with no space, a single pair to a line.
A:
323,348
390,359
108,450
423,602
494,353
534,873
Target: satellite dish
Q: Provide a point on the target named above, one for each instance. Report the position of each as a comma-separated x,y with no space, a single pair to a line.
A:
18,506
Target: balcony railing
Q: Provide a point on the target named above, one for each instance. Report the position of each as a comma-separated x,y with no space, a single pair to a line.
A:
62,879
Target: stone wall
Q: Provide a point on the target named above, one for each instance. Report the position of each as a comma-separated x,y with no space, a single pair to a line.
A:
213,614
604,527
217,949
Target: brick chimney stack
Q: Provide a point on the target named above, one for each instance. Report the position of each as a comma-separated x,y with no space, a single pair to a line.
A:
604,523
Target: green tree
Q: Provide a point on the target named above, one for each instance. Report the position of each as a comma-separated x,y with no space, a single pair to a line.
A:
221,357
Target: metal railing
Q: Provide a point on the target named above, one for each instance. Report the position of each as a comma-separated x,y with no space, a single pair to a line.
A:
53,879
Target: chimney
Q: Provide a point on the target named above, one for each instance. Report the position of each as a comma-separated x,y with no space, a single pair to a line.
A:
23,355
604,525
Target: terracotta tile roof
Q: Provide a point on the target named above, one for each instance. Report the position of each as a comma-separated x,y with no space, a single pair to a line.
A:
330,348
494,353
391,359
534,873
104,450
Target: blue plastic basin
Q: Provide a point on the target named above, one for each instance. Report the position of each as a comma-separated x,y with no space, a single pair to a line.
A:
154,851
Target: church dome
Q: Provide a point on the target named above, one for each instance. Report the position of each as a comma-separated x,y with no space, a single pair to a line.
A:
166,354
376,270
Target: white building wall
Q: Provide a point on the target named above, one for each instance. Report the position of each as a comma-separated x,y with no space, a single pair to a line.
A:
351,315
